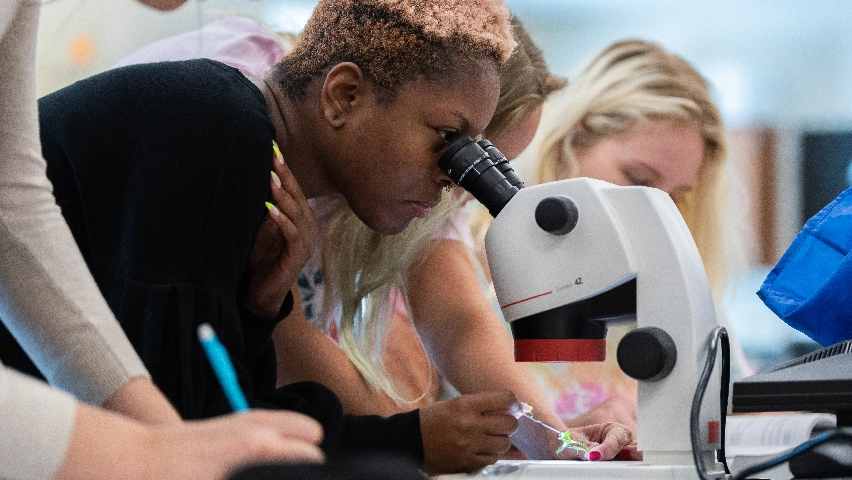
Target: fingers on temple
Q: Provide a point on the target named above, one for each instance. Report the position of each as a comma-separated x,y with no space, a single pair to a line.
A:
291,203
284,200
285,223
288,181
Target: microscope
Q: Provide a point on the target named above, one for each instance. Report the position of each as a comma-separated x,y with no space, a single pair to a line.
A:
567,257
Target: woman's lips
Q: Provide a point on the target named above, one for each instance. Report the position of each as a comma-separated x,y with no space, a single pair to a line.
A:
421,209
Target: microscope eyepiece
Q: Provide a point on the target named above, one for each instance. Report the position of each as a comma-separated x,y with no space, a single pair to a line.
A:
480,169
502,163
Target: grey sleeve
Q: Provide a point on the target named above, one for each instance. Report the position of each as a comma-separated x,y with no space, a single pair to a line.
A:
48,298
37,422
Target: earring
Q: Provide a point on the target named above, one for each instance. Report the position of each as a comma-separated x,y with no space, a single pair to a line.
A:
449,187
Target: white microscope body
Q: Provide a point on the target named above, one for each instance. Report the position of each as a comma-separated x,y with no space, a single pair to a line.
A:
621,234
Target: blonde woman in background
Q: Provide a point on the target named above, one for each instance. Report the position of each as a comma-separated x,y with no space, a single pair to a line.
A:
635,115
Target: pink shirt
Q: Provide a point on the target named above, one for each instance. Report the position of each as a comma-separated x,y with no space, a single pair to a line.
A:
239,42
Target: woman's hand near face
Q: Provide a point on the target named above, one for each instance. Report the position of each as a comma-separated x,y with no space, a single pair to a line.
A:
284,243
467,432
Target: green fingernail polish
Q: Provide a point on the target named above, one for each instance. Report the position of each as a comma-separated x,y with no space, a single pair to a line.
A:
268,206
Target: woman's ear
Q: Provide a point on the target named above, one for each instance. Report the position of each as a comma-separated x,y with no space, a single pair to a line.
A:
342,92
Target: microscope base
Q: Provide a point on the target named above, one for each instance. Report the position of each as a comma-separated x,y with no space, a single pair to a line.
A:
617,470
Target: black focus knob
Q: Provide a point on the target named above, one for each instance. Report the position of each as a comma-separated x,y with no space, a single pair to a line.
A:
557,215
647,353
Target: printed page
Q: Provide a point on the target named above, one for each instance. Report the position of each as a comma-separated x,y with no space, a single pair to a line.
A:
771,434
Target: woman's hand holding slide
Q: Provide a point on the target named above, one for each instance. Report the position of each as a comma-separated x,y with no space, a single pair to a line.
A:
606,441
602,441
467,432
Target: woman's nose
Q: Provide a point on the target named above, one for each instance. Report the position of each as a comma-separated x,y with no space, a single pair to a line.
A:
441,177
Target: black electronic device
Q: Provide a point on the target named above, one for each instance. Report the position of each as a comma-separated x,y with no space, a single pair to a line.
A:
820,381
831,459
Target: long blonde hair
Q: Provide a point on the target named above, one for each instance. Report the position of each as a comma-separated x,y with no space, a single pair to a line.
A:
365,268
630,82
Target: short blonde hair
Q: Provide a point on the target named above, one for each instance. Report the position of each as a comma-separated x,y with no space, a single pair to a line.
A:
637,81
393,41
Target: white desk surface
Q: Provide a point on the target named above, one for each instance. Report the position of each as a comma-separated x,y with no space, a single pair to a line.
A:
566,469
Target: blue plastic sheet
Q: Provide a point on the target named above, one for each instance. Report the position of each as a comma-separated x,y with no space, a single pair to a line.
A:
811,286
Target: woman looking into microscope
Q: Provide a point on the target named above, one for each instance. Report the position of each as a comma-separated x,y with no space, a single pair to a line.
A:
177,232
404,376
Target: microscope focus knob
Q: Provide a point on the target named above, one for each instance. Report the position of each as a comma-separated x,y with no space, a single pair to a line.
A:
557,214
647,353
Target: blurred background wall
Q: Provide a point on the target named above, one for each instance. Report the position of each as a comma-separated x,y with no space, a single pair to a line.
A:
781,72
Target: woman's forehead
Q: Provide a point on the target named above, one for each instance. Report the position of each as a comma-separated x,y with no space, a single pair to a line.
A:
470,95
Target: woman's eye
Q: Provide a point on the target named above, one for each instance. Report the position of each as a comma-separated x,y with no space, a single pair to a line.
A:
447,135
640,175
638,181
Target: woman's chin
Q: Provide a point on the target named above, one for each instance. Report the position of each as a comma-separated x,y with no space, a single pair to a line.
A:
391,225
163,4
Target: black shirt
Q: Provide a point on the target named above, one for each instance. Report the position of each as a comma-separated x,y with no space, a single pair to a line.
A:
161,171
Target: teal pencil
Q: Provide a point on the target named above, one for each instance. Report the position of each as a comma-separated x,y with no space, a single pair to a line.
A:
222,367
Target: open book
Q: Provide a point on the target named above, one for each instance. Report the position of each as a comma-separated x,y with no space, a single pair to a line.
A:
754,438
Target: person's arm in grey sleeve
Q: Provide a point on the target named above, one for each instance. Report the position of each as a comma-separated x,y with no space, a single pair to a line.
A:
36,422
48,299
47,435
